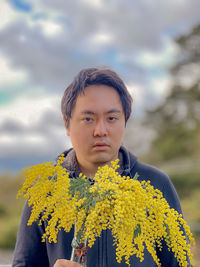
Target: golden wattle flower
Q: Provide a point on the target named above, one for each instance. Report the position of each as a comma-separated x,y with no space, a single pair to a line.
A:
136,213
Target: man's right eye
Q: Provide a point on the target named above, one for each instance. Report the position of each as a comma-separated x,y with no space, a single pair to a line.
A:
88,119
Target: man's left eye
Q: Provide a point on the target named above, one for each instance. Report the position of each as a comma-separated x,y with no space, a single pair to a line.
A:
88,119
112,118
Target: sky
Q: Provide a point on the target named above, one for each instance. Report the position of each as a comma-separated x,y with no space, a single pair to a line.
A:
44,44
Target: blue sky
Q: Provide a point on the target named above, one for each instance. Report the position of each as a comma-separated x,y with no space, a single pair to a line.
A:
21,5
43,44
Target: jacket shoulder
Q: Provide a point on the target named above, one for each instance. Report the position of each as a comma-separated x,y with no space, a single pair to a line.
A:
159,180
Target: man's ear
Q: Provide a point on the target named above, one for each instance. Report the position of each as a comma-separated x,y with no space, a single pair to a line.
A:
66,126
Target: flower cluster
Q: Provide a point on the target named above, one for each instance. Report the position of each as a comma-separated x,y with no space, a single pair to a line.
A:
138,215
47,189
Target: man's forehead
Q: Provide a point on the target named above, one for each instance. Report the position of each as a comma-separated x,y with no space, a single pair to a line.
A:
98,99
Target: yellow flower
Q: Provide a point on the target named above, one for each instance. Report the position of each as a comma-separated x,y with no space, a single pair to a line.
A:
137,214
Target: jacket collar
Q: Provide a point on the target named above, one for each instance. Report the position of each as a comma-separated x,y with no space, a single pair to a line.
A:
126,162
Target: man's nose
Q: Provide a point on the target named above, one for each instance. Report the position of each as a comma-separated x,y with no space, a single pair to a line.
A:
100,128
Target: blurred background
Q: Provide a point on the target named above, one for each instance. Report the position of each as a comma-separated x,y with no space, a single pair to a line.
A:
153,45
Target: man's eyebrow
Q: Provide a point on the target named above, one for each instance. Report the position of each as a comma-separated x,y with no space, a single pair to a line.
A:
114,111
87,112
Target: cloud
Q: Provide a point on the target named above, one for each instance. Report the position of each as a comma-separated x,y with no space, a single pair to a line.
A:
51,28
7,14
59,38
9,74
31,129
21,5
128,21
52,47
44,45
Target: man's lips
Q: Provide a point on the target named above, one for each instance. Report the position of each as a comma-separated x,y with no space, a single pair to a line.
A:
100,145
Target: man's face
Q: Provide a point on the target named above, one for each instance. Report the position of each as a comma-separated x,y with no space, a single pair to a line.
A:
97,126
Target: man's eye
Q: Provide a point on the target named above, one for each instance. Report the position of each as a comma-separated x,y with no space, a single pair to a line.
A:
112,118
87,119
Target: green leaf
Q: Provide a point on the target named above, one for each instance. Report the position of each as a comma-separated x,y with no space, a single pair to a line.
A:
137,231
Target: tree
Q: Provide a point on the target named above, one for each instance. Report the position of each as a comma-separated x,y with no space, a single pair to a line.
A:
177,120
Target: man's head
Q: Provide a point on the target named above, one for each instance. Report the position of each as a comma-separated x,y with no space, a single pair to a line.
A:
95,109
94,76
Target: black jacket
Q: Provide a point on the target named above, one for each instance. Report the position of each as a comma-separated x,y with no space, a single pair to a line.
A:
31,252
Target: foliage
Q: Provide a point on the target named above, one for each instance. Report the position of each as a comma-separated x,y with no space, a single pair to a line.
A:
184,173
9,232
136,213
2,210
10,209
176,147
186,183
177,120
191,206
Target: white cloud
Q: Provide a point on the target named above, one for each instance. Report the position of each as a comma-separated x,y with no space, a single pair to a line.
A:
139,97
50,28
7,140
9,74
101,38
13,139
162,58
32,128
136,91
34,139
161,86
95,3
7,14
28,110
98,43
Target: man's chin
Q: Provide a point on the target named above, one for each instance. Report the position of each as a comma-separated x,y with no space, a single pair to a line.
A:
102,158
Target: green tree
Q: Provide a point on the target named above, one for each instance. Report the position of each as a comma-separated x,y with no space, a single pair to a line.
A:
177,120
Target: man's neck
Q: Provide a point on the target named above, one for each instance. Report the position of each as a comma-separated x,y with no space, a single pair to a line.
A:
89,170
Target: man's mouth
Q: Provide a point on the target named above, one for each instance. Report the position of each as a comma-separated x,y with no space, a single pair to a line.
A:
100,145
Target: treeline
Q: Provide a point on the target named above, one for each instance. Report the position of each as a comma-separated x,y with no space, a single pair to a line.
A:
177,120
176,146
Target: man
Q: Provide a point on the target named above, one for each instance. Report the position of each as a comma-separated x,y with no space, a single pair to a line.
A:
95,108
